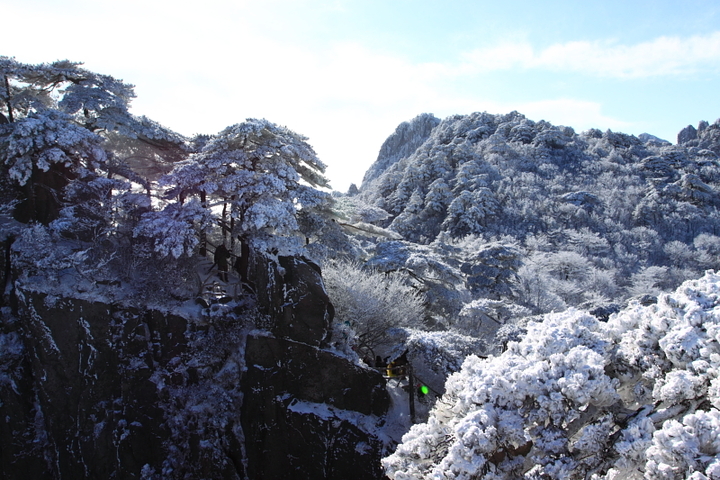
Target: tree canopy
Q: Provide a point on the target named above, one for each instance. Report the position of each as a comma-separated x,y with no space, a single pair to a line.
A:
265,174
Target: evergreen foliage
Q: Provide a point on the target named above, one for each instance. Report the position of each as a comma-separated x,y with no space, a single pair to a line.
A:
633,398
595,218
127,200
261,174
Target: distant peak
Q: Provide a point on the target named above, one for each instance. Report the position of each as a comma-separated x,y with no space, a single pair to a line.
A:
408,136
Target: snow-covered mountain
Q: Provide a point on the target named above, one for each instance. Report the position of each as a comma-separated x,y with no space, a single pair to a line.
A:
495,175
592,218
407,138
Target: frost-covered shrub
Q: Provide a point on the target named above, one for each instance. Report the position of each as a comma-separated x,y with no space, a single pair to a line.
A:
495,408
483,318
636,397
354,209
38,251
436,355
682,447
433,269
371,303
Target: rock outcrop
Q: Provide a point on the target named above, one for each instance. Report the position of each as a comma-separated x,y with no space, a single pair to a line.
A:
293,297
91,405
91,389
705,137
305,415
401,144
686,134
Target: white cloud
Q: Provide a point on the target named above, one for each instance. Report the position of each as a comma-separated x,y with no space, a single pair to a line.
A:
661,56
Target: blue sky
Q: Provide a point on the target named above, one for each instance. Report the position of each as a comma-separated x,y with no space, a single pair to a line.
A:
345,73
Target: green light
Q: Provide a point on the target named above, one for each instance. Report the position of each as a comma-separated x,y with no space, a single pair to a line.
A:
424,389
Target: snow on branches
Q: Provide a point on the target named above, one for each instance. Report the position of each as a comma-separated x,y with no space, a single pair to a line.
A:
371,303
98,103
46,138
263,172
633,398
174,229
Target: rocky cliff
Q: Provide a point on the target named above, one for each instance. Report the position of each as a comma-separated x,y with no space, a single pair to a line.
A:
406,139
248,389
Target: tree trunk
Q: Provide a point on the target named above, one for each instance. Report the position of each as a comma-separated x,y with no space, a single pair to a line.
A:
411,391
11,119
203,235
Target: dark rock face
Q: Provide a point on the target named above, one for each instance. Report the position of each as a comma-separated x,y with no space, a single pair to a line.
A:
96,390
40,198
21,456
294,298
90,406
315,375
307,312
299,421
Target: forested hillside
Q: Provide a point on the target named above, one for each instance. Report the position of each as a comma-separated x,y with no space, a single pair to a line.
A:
505,220
585,219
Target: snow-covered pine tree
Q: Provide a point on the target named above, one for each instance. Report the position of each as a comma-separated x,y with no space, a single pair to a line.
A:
255,177
57,116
